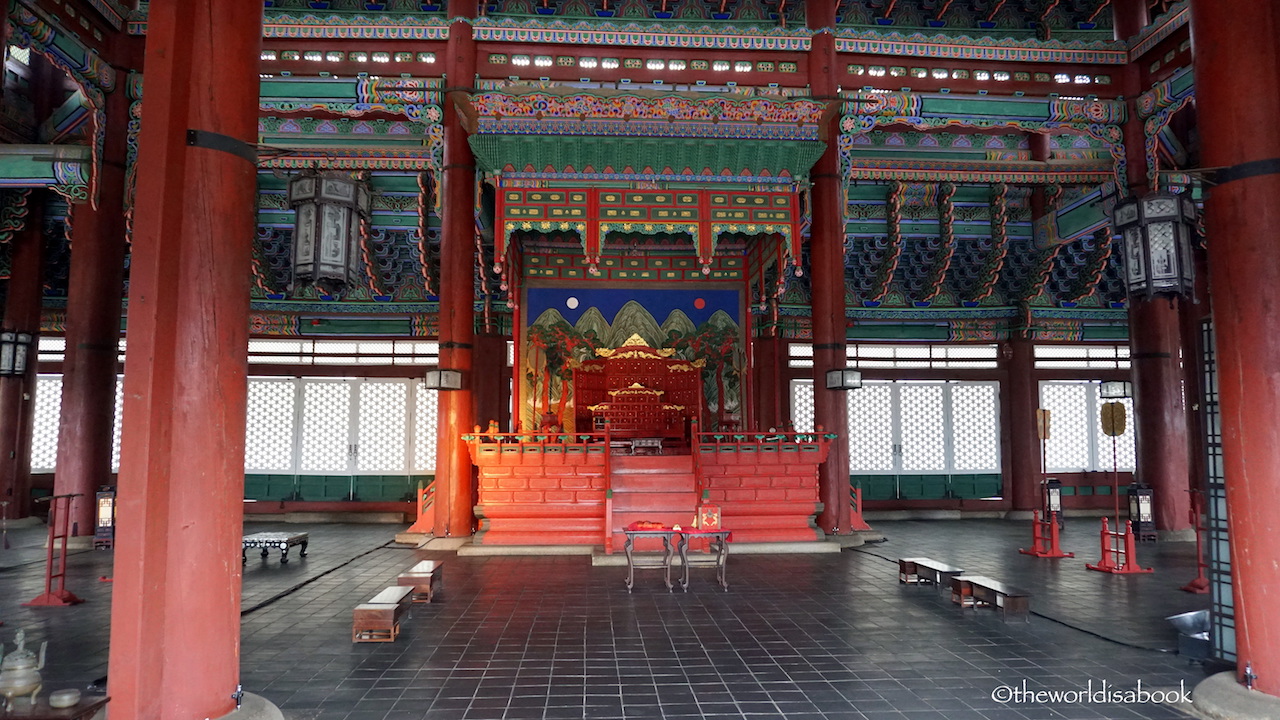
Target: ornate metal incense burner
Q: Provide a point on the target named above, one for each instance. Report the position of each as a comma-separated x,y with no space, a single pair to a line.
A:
20,671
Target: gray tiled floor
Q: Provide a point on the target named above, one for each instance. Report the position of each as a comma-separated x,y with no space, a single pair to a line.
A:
796,636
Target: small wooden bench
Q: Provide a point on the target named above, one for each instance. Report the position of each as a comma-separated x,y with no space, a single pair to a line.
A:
379,619
922,569
425,579
981,591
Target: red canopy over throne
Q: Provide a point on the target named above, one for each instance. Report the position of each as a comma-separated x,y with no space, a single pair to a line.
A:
640,391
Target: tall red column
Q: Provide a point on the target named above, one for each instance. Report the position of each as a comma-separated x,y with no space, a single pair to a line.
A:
1237,65
1024,444
1155,346
175,613
454,501
1023,397
17,394
1160,413
96,288
826,267
770,387
1129,17
492,375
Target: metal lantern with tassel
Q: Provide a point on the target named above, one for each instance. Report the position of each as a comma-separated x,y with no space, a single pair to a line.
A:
326,240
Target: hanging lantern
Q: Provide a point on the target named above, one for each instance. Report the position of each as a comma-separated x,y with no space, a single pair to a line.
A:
1157,232
15,350
326,240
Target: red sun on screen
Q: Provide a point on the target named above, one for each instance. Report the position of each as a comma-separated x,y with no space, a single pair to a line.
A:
699,303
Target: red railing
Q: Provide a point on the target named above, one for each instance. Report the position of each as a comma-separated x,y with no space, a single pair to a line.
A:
55,580
1119,552
425,523
1200,584
608,492
1044,537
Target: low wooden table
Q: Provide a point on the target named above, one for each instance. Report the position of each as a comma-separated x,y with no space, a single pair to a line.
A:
924,569
634,562
268,540
719,548
379,619
646,443
425,577
83,710
981,591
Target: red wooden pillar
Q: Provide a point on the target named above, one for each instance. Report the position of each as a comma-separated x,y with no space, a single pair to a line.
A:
175,613
1024,475
96,287
826,263
18,394
1237,59
492,376
454,501
1159,371
770,386
1160,413
1129,17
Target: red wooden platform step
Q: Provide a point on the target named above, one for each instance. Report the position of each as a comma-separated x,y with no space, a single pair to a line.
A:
658,488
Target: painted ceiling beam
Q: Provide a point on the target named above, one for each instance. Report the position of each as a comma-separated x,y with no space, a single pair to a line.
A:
1076,216
43,166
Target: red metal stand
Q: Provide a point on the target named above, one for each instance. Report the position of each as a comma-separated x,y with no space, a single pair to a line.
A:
1044,537
1200,585
59,519
1118,552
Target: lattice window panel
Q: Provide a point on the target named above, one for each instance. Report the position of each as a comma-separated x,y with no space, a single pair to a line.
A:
975,438
268,445
48,408
383,426
802,405
326,422
426,418
1070,425
871,446
1222,613
117,424
1125,457
924,437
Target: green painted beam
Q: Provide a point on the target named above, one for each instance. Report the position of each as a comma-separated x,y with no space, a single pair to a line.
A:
756,157
898,331
43,165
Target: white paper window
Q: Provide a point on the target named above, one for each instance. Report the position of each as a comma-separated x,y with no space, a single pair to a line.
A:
44,437
872,446
326,423
268,445
916,426
1076,442
382,429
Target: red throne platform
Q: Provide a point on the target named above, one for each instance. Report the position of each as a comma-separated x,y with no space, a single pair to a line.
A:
584,487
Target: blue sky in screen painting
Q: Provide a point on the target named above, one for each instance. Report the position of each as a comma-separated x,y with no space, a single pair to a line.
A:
572,302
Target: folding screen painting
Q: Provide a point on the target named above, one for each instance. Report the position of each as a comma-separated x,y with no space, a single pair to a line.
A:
566,325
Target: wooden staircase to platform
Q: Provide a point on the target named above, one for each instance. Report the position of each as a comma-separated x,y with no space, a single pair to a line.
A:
658,488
